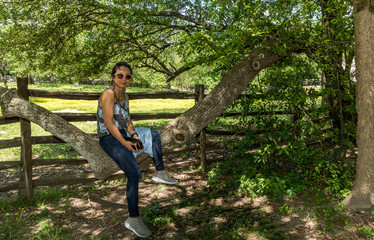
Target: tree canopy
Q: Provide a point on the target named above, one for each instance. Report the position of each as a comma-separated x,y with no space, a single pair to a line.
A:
84,38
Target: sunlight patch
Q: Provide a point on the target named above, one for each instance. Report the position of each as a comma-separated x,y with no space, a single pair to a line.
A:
217,202
183,211
68,111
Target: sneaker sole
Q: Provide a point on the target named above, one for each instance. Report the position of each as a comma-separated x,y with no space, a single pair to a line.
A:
159,180
128,226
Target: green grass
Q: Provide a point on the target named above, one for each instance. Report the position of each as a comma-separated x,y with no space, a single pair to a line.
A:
136,106
54,104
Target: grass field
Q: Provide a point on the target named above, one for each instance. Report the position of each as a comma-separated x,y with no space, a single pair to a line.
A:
11,131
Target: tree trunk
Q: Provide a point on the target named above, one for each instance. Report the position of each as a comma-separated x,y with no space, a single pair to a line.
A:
362,194
180,130
188,124
3,69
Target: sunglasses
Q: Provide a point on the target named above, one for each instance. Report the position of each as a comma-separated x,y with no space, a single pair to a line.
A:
127,76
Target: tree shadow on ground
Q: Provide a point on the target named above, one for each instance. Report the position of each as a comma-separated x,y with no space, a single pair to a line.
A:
189,210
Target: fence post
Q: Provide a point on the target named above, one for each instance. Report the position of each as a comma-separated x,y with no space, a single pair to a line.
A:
25,189
201,137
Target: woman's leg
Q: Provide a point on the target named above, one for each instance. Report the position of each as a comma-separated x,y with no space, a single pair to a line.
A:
157,151
160,176
127,162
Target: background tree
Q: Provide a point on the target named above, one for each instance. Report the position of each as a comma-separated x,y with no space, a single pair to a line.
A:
4,46
362,192
4,66
334,56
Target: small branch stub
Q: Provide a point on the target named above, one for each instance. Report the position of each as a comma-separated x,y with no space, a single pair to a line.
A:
179,136
256,65
256,62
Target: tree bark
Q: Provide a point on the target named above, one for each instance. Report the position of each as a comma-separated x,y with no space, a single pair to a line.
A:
180,130
362,194
3,68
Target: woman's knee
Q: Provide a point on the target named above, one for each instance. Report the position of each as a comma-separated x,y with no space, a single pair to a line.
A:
134,174
155,136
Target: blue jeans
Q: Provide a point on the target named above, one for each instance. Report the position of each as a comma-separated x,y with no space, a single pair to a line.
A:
127,162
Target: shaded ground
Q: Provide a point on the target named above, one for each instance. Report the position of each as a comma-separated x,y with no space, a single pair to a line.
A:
188,210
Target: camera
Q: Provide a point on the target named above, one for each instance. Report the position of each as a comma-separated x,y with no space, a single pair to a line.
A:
139,145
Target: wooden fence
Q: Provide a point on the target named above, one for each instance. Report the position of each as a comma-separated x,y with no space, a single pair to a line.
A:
27,183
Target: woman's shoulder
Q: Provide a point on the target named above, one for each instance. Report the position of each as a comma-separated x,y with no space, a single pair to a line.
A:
109,89
107,94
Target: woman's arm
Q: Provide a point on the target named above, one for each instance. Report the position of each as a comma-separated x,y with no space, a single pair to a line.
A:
106,102
130,126
131,129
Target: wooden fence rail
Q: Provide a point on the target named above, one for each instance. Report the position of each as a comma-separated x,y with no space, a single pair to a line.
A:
81,117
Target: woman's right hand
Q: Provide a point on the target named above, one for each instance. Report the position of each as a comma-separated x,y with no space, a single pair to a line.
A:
130,146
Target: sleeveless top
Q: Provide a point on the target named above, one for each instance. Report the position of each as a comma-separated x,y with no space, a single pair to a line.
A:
121,116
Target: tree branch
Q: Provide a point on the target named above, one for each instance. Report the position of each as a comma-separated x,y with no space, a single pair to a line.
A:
196,21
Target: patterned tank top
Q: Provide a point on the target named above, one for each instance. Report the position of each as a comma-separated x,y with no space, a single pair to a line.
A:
121,116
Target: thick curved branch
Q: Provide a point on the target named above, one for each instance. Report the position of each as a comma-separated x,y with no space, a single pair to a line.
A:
196,21
191,122
178,72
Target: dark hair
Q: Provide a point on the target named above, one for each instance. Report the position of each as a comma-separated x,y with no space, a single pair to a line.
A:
120,64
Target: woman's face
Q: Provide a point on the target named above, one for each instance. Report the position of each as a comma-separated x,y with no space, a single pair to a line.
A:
122,77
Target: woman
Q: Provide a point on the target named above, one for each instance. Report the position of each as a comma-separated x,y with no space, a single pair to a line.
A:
113,126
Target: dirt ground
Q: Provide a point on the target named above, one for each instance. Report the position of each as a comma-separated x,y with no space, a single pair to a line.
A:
190,210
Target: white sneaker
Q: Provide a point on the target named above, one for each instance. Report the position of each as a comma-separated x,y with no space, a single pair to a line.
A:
164,177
